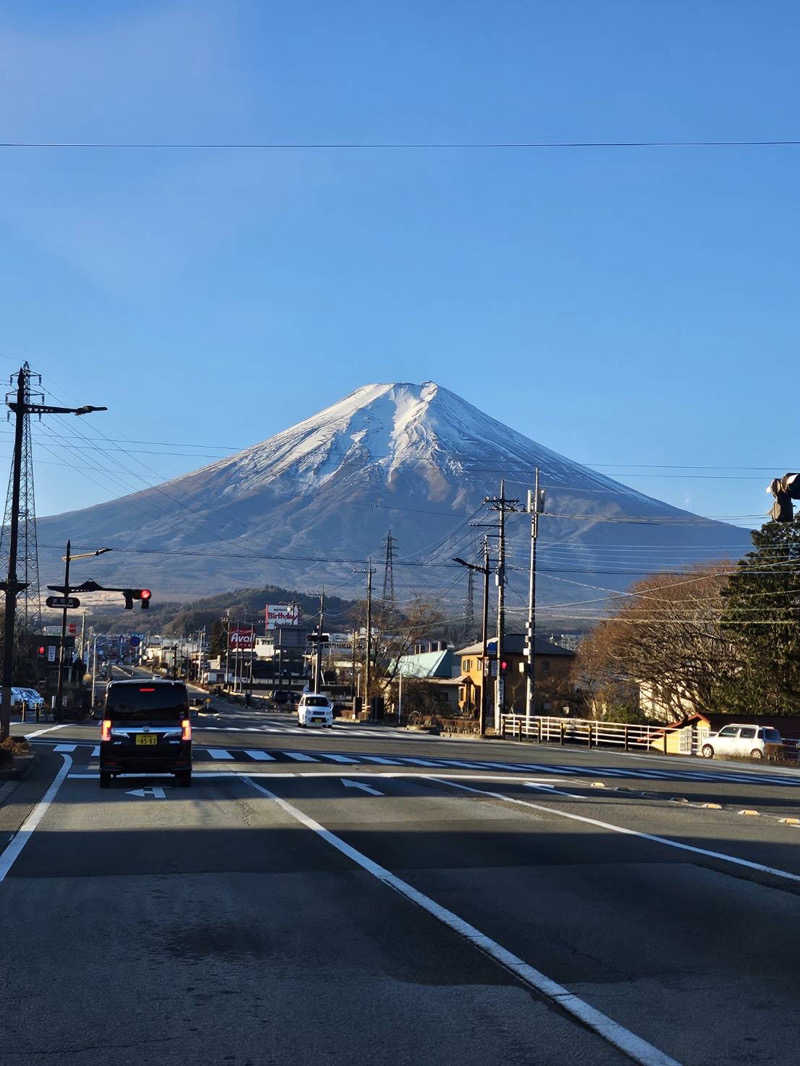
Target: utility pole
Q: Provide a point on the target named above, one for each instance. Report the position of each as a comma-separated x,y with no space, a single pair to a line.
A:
500,504
12,586
318,656
534,508
485,673
353,667
368,657
94,668
60,687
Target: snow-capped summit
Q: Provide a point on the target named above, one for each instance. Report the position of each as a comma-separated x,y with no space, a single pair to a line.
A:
302,506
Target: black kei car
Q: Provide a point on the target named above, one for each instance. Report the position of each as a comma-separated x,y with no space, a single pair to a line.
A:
146,729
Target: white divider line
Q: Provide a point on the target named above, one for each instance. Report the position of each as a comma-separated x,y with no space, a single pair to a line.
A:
25,831
49,729
629,1043
786,875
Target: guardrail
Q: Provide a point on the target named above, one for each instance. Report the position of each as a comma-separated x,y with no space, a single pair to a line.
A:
592,733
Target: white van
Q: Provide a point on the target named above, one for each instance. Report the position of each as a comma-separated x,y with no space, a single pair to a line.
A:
314,709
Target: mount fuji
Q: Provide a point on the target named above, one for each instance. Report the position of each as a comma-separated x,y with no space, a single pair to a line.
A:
311,504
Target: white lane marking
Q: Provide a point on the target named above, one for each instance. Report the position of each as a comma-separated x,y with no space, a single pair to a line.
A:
654,838
259,755
298,756
349,759
632,1045
547,787
49,729
219,753
156,791
65,748
364,788
25,831
95,752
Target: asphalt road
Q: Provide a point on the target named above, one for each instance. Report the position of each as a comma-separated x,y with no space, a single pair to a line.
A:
362,894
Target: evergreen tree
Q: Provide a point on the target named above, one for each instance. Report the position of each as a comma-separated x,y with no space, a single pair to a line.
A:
761,618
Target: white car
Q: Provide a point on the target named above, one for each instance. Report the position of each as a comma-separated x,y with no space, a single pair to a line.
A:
314,709
746,741
26,695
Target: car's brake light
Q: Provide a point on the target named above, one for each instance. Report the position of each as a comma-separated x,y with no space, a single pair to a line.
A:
105,733
186,729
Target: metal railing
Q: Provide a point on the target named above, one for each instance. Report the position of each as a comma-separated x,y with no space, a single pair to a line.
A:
593,733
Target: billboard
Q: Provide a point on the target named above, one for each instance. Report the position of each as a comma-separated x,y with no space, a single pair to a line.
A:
282,614
242,639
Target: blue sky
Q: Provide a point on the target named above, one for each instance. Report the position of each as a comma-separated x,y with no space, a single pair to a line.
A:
630,308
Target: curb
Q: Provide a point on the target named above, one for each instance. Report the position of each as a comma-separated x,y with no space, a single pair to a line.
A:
20,769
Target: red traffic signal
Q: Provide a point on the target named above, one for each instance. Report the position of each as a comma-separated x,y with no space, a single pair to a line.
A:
504,666
143,595
41,650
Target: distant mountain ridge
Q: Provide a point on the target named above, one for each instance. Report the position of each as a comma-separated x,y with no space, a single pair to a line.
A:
310,504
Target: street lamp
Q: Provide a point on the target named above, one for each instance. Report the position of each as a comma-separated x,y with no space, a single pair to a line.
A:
485,620
67,560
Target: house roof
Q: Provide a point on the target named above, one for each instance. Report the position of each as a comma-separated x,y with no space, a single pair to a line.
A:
514,644
427,664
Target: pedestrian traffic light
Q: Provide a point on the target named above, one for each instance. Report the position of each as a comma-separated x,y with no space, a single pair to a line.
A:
40,651
504,666
144,596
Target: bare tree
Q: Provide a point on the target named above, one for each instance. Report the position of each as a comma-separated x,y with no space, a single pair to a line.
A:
666,637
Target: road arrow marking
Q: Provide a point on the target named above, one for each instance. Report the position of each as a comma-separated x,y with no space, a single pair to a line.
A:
364,788
156,791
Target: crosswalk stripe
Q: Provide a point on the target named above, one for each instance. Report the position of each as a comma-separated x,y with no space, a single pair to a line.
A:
381,760
219,753
298,756
95,752
65,747
259,755
420,762
349,759
466,765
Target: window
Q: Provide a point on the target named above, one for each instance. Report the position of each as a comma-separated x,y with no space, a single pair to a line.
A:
728,731
467,666
748,732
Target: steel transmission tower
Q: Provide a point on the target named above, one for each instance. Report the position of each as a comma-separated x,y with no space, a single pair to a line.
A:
388,574
29,602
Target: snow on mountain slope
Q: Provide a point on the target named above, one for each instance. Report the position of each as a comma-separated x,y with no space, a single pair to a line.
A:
414,458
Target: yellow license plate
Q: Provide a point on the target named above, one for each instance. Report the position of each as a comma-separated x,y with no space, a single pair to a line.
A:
146,738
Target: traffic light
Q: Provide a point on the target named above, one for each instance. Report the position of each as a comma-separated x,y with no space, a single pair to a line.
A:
503,665
40,651
143,595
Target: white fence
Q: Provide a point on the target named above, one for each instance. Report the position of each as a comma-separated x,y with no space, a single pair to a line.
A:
591,733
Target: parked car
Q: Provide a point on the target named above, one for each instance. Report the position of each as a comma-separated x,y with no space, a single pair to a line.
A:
314,708
746,741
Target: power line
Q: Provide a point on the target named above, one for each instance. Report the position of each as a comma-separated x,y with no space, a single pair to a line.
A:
289,146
